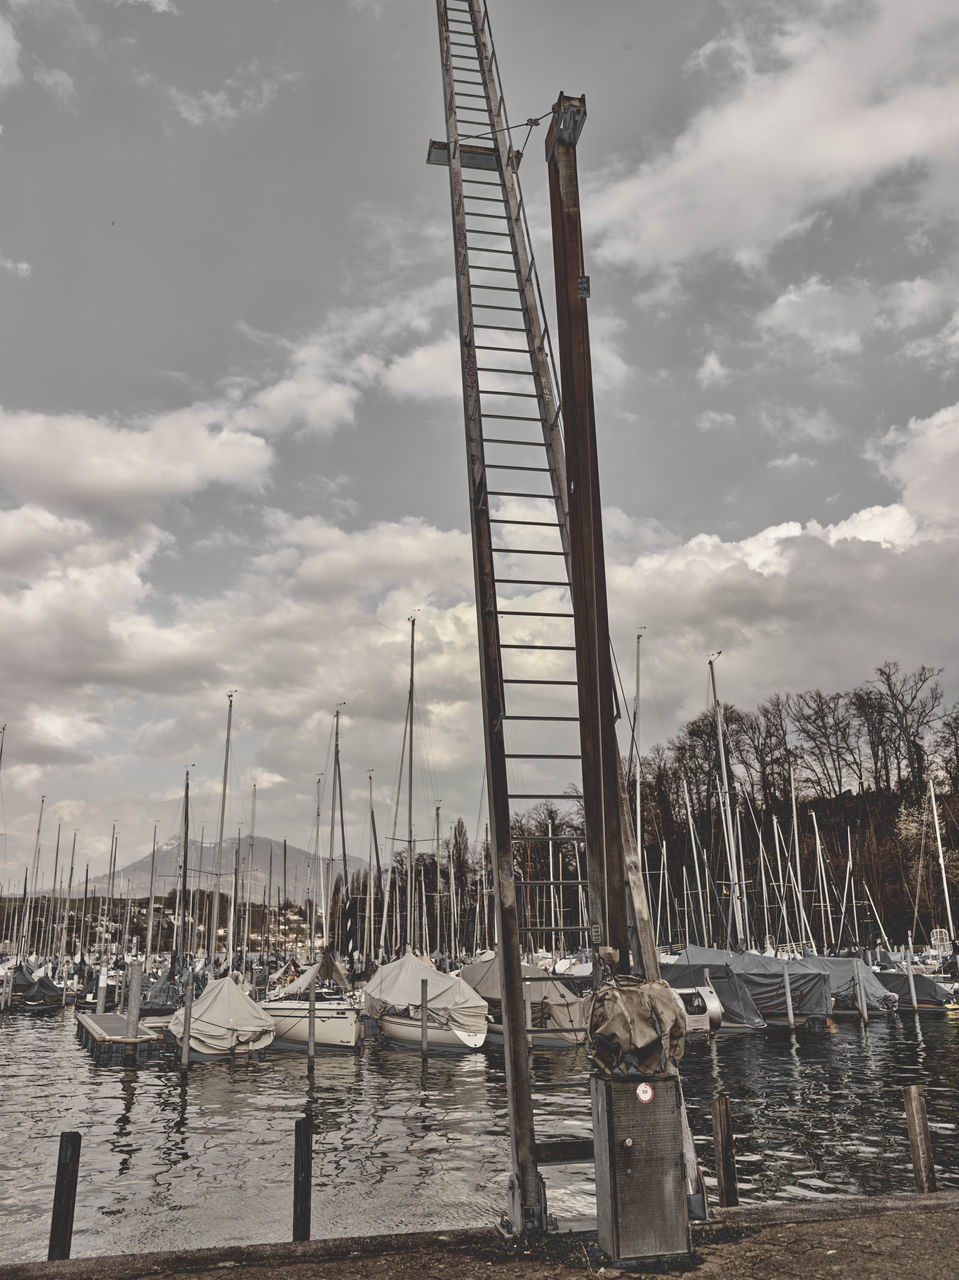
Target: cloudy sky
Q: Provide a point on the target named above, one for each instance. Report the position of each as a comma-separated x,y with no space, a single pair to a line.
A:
231,443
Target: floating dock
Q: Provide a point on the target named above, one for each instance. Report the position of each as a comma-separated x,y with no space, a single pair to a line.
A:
105,1036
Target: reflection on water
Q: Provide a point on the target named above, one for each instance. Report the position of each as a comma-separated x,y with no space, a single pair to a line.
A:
172,1162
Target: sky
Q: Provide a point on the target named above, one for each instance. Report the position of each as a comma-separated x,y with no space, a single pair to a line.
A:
231,438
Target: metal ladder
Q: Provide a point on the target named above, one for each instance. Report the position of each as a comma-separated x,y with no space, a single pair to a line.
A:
518,512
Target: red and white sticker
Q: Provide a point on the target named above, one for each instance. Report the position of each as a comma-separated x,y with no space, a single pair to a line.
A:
644,1092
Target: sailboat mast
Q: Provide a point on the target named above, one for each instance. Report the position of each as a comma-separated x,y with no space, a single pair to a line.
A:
409,796
219,839
725,808
942,864
181,940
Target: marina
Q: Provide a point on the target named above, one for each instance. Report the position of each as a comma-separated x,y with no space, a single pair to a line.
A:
403,1146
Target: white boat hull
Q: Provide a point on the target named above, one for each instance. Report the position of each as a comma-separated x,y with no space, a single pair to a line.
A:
336,1023
539,1037
408,1031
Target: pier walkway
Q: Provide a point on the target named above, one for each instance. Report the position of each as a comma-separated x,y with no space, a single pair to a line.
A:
878,1238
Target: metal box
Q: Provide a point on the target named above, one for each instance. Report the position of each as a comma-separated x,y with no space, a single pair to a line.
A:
641,1208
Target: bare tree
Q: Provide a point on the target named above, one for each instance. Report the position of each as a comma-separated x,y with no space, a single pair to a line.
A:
827,739
913,699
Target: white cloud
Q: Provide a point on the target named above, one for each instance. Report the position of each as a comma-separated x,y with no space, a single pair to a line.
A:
923,459
58,83
790,462
713,419
938,350
820,110
79,464
21,269
429,372
712,372
793,423
10,73
248,91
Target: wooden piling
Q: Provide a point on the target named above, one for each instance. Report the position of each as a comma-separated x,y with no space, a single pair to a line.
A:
790,1016
311,1028
302,1179
102,988
861,996
424,997
187,1015
725,1152
133,999
920,1139
909,974
64,1197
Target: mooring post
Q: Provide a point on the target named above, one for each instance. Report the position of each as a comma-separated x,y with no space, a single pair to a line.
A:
302,1179
909,974
133,999
64,1197
528,1008
187,1015
725,1151
121,1003
861,996
424,997
102,988
920,1139
790,1017
311,1027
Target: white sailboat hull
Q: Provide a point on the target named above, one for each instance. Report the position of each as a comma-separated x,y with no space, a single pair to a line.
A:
408,1031
336,1023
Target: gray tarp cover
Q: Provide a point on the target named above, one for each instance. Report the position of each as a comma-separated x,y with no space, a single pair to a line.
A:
842,978
763,978
450,1000
223,1018
552,1005
738,1005
927,989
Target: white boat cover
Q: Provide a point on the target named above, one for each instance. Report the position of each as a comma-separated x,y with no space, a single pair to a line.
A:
450,1000
223,1018
552,1005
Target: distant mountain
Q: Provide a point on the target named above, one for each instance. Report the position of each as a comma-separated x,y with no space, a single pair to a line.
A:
202,863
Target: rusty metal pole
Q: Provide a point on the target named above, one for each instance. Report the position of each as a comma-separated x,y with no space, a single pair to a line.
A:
606,870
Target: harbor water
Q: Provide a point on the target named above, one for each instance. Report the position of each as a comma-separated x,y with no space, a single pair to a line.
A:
176,1162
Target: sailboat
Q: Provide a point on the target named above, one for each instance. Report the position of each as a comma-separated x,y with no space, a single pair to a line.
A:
455,1014
336,1018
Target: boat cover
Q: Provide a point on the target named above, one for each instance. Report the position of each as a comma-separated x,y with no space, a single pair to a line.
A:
223,1018
43,991
163,993
928,990
739,1008
325,970
842,979
450,1000
552,1006
763,978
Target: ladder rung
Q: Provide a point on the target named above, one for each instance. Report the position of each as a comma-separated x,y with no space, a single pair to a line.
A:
559,648
522,373
541,524
527,551
539,795
532,582
532,613
538,755
517,681
495,217
526,444
478,231
482,248
565,719
511,493
519,395
505,466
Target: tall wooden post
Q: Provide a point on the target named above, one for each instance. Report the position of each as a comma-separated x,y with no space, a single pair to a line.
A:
920,1139
602,770
64,1197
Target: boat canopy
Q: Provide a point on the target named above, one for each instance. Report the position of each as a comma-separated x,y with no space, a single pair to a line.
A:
842,971
325,970
763,977
223,1018
739,1008
552,1005
450,1000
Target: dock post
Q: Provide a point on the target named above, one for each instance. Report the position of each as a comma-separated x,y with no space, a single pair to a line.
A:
920,1139
790,1016
122,998
725,1152
311,1029
187,1014
861,997
133,1014
302,1179
909,974
64,1197
528,1008
102,988
424,997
